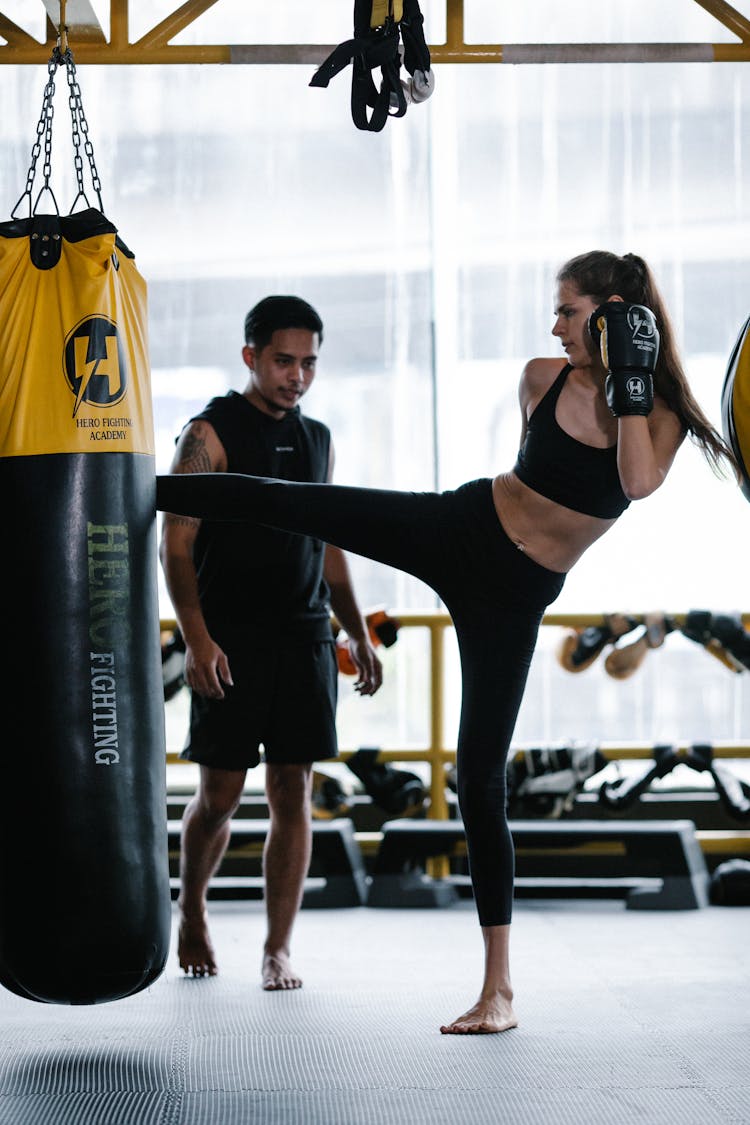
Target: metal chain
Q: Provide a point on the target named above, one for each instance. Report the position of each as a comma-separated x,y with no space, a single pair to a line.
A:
43,129
77,160
80,127
80,134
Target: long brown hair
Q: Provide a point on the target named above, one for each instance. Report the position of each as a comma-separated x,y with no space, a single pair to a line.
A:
600,275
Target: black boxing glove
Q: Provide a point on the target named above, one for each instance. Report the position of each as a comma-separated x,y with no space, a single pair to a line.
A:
628,341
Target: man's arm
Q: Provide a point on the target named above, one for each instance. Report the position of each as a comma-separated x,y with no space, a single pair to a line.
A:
206,666
349,616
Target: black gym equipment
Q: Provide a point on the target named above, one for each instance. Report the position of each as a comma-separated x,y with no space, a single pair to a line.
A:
545,781
84,745
721,634
329,801
730,883
397,792
580,648
623,793
388,34
734,794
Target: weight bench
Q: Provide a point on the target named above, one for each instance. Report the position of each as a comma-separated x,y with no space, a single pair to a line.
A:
336,877
659,863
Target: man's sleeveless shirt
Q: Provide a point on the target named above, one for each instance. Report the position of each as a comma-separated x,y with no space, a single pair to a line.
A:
254,578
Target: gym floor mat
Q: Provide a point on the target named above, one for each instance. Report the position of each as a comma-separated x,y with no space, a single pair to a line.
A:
623,1016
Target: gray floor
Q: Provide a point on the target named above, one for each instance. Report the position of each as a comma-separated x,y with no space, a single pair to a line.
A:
625,1017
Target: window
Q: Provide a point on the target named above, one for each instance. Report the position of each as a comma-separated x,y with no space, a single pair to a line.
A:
430,251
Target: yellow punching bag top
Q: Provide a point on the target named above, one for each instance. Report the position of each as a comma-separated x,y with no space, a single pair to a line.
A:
74,369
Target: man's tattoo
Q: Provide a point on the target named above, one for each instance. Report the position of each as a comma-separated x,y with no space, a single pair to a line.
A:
194,457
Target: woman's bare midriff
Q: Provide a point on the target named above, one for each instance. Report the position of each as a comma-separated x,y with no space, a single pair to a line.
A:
550,534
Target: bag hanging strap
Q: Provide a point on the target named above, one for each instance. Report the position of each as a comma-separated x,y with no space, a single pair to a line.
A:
387,34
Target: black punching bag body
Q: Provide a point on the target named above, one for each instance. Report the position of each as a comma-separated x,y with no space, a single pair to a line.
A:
84,884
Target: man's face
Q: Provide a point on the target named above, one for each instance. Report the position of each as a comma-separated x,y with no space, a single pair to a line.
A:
282,371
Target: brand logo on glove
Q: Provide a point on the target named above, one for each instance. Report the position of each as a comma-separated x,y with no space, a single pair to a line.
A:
642,327
95,363
636,387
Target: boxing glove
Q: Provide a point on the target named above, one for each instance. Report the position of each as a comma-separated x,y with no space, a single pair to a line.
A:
628,341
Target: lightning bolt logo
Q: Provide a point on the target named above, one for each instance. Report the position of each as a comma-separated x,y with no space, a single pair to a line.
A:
95,363
639,324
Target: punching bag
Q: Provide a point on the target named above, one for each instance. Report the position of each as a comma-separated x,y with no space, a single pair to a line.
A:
735,405
84,885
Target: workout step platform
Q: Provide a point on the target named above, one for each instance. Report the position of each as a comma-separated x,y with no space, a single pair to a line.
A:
658,864
702,806
336,877
253,806
365,815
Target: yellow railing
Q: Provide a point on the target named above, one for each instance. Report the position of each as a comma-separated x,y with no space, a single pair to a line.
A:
438,755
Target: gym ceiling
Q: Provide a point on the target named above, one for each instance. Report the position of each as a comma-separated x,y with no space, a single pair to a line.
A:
91,45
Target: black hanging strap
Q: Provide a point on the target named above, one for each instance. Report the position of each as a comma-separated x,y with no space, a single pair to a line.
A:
386,36
416,51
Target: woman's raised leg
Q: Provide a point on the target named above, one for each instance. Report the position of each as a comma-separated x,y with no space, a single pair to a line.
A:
400,529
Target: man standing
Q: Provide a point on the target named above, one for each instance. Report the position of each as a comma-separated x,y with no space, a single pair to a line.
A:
253,605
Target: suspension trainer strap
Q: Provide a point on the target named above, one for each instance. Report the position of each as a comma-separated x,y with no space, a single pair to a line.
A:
387,35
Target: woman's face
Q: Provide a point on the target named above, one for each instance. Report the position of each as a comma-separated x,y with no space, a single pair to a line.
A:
572,312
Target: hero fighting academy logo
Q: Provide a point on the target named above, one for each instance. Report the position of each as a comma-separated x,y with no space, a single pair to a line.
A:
94,363
636,387
642,327
645,339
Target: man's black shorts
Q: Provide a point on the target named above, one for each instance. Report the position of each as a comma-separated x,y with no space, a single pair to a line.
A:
284,698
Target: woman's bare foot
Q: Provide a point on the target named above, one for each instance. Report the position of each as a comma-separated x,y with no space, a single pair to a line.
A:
194,949
486,1017
278,974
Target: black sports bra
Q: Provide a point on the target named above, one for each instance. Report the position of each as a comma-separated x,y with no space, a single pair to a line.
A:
568,471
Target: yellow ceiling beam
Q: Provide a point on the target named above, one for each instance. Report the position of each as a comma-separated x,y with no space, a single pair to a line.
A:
21,51
89,44
188,13
312,55
728,16
16,37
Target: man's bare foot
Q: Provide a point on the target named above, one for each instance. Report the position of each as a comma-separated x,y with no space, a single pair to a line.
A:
278,974
486,1017
194,950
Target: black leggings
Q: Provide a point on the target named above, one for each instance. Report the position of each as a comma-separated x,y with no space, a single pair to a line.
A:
495,595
